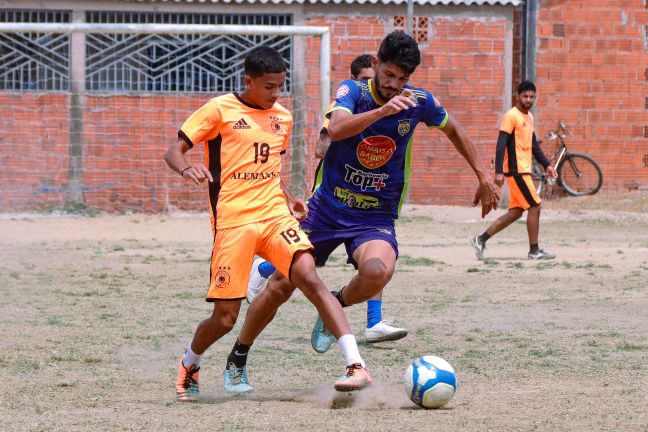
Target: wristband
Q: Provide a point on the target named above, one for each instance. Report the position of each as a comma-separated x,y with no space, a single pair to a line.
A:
182,172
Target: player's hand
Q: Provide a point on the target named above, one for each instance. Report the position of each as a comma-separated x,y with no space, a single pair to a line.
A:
499,180
397,104
298,209
198,174
489,196
552,172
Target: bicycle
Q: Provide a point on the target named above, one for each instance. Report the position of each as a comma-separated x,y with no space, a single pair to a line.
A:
578,173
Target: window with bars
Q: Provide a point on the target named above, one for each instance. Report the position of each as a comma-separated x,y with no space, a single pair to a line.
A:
135,63
175,63
34,61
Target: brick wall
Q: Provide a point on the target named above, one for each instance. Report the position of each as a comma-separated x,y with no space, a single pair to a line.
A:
591,72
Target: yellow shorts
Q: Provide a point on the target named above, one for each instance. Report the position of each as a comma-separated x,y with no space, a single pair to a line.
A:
522,192
276,239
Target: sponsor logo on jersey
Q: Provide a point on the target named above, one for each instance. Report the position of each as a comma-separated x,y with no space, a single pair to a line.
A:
403,126
354,200
277,126
384,231
254,175
375,151
364,179
241,124
342,91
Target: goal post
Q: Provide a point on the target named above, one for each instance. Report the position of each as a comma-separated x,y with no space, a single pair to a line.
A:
74,186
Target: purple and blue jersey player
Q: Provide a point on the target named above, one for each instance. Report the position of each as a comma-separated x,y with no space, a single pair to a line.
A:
363,180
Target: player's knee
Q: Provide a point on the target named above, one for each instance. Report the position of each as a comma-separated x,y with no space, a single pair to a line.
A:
280,288
375,275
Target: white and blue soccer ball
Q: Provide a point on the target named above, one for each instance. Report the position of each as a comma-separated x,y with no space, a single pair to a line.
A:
430,381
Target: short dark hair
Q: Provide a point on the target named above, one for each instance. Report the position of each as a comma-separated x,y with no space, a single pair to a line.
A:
400,49
361,62
526,85
263,60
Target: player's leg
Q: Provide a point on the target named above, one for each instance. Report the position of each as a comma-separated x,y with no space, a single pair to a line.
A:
533,222
259,273
303,275
374,254
228,282
517,204
208,331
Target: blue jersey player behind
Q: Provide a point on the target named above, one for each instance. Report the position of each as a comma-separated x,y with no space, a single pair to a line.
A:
363,180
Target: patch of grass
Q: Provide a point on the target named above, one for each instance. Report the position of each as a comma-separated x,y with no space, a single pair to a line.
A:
91,360
14,275
27,365
55,321
515,265
544,353
490,262
418,261
627,346
117,248
545,265
477,270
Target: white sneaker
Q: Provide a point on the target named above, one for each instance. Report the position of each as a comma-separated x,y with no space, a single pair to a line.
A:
383,332
257,282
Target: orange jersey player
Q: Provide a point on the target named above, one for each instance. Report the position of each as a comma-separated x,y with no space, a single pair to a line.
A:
516,147
244,136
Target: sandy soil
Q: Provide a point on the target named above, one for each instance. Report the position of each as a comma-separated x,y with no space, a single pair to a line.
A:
96,311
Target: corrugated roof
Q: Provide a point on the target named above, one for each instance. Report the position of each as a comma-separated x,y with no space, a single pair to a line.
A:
418,2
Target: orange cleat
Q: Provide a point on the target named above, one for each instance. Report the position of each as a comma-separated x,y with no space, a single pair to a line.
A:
355,378
187,383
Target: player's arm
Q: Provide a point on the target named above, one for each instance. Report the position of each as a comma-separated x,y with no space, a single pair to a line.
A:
487,193
539,155
174,158
344,124
502,139
297,207
323,144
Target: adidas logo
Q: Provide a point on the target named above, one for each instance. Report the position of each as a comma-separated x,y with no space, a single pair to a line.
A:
241,124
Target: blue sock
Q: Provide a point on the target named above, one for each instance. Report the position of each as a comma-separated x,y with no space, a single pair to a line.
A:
374,312
266,269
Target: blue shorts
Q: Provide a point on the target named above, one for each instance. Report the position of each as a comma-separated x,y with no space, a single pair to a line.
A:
327,230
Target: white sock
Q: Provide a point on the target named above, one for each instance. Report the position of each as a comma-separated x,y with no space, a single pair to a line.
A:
349,348
191,358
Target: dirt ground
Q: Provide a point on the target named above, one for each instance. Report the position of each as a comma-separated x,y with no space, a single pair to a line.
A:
96,311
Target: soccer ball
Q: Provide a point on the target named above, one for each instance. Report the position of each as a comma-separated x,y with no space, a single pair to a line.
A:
430,381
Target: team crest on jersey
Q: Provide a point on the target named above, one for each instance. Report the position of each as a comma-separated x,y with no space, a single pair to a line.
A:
403,126
342,91
277,126
375,151
222,279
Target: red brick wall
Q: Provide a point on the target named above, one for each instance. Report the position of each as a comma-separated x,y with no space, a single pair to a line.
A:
591,73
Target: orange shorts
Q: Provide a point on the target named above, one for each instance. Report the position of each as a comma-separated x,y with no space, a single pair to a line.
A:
276,239
522,192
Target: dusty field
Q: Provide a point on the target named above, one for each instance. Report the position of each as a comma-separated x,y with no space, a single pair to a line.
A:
95,312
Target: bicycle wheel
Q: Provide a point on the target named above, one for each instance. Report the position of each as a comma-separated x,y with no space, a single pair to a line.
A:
579,174
539,178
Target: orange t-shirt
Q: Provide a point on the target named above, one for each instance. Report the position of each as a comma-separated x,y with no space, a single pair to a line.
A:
519,154
243,148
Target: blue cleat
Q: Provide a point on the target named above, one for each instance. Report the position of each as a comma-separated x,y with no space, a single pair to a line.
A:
321,338
236,380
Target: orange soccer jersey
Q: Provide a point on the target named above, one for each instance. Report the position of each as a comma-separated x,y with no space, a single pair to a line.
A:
243,144
518,155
